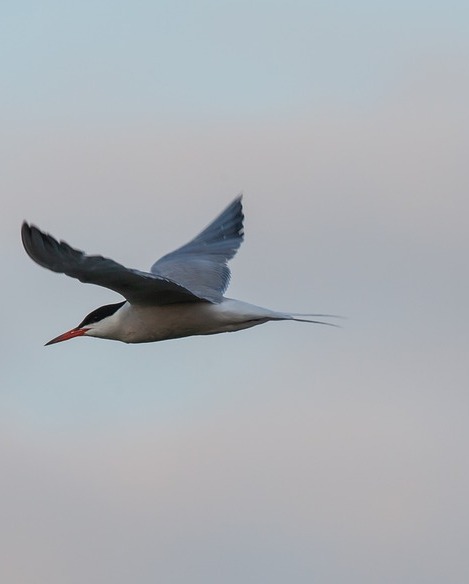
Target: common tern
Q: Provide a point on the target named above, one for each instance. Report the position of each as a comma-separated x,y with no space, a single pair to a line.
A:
181,295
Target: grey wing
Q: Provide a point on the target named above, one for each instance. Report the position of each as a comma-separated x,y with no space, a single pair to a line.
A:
201,265
137,287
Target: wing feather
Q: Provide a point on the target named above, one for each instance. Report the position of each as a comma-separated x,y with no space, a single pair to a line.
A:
201,264
195,272
135,286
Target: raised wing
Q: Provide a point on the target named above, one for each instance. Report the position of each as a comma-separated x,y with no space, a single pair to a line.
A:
201,264
137,287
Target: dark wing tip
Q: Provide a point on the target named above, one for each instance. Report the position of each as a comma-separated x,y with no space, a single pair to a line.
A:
26,238
227,226
45,250
25,229
239,213
31,237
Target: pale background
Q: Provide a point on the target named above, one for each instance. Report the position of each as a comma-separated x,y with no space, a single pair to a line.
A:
288,453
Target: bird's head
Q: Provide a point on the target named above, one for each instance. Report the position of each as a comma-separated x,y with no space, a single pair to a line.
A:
95,324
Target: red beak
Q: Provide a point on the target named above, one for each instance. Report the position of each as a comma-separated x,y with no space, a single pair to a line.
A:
76,332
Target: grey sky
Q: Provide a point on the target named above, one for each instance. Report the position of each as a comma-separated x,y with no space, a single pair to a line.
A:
287,453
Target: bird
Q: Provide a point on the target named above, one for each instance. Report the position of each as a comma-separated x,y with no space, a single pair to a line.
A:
182,295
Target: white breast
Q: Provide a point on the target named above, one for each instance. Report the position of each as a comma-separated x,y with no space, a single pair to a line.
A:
141,324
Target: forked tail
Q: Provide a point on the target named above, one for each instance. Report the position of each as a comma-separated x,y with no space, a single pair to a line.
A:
309,318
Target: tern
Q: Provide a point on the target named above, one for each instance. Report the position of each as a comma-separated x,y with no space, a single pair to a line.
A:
181,296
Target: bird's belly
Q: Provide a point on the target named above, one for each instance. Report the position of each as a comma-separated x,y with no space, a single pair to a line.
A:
156,323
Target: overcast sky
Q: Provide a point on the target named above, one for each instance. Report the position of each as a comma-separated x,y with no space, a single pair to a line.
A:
284,453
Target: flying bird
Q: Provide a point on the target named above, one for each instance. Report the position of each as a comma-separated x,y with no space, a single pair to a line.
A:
181,295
